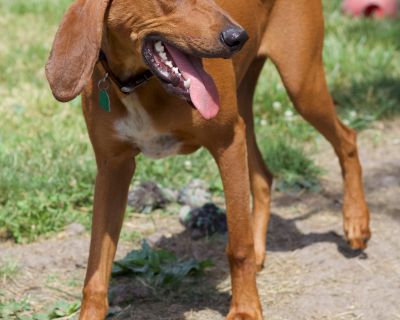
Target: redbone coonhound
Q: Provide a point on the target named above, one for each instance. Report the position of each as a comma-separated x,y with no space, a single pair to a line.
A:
166,77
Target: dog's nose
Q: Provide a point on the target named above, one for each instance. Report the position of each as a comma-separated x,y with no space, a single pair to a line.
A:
234,38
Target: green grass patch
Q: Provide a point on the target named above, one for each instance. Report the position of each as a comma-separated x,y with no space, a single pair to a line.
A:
131,236
8,269
23,310
60,310
362,59
49,174
291,166
15,309
51,10
48,168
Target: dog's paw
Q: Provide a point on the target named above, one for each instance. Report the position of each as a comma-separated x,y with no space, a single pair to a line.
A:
260,261
92,312
357,232
260,252
242,313
94,305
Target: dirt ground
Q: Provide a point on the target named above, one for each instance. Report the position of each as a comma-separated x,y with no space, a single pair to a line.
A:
310,273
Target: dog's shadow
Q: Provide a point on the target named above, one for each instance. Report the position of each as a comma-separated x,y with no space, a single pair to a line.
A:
284,236
199,293
211,292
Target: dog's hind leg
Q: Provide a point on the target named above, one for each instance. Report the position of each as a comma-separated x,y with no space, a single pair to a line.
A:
294,41
260,176
111,191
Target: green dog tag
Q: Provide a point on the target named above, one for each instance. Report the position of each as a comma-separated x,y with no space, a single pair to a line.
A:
104,100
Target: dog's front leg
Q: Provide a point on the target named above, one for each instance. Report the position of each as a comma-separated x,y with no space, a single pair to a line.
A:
112,184
231,158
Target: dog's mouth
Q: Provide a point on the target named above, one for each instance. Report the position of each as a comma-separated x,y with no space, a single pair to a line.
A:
182,75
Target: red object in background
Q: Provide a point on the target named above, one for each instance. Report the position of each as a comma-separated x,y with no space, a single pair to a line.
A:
371,8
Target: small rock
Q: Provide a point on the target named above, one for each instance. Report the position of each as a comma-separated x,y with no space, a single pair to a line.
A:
74,229
146,197
170,195
195,194
184,214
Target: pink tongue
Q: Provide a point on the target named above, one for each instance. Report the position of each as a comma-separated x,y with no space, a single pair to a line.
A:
203,91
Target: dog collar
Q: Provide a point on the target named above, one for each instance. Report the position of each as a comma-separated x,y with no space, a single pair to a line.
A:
129,86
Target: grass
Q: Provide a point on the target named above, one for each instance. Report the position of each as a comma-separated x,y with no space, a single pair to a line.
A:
15,309
290,163
23,310
47,163
8,269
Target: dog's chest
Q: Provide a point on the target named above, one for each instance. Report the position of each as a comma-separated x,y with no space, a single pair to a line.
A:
138,128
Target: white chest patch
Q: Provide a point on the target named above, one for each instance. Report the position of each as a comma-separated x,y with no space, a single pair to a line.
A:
138,129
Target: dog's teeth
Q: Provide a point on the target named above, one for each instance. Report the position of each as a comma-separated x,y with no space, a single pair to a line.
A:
159,47
186,83
163,56
169,63
175,70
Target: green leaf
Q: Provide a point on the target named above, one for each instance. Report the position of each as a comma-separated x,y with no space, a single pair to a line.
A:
158,267
63,308
40,316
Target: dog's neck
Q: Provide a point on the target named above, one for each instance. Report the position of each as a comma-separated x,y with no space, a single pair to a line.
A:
122,63
122,57
128,86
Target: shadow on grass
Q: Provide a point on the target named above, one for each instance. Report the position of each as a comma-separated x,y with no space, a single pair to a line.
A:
385,32
373,100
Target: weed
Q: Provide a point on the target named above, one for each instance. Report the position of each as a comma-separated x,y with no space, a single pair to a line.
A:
158,268
15,309
23,310
8,270
131,236
61,309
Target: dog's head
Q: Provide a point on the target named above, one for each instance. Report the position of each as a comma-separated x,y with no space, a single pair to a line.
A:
169,36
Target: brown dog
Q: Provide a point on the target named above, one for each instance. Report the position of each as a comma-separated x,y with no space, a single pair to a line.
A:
183,108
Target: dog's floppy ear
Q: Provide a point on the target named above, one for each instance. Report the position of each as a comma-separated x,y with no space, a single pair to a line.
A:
76,48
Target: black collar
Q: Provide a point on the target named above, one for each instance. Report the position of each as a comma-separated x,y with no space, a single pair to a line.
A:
131,84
